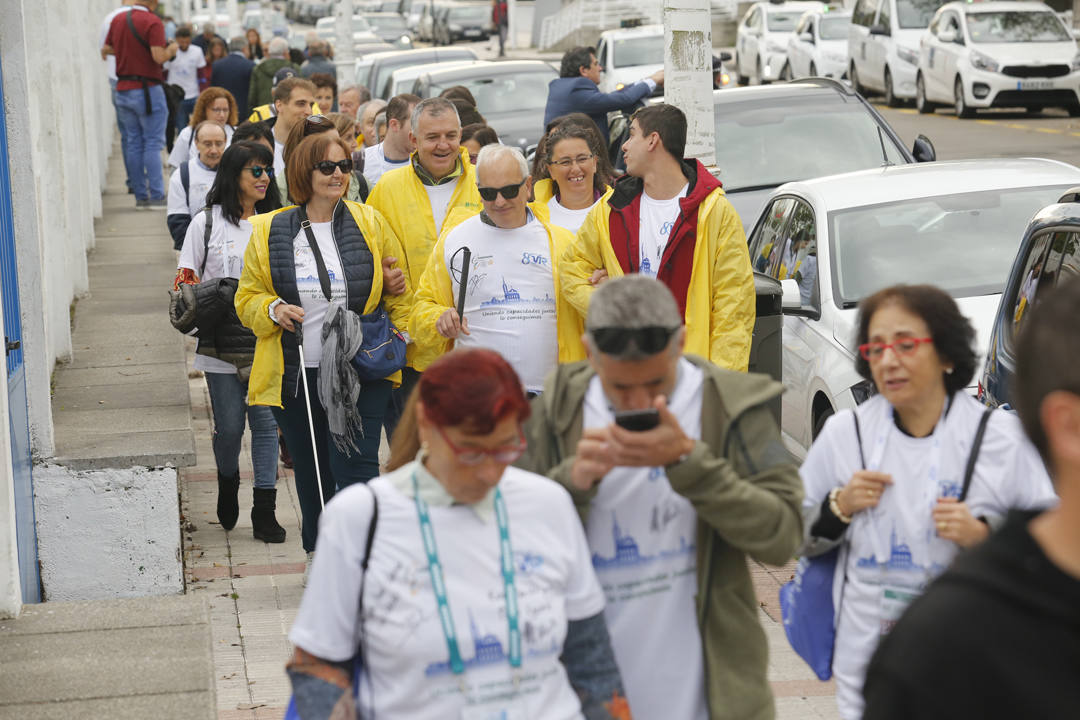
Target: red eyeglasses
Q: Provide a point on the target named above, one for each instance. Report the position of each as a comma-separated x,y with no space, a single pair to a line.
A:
904,346
473,456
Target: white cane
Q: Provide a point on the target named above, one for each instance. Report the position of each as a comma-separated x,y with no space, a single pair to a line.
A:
307,405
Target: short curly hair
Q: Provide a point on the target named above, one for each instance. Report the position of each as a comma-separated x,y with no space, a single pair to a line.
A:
952,333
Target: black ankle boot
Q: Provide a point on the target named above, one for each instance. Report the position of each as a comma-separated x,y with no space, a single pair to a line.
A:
263,522
228,507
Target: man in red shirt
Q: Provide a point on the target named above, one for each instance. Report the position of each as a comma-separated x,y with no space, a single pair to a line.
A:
137,38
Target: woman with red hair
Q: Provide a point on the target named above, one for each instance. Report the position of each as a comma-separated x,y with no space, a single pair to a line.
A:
479,597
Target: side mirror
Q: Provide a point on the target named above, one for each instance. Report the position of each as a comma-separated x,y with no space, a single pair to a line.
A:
879,30
923,150
947,36
791,299
807,37
725,57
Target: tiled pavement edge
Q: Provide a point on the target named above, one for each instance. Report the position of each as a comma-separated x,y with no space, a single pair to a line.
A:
254,592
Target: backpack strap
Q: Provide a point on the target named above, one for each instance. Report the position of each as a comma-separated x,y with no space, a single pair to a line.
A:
209,216
361,658
131,26
973,457
185,180
858,440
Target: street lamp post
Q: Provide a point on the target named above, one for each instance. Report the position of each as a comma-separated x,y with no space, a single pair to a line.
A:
343,52
688,73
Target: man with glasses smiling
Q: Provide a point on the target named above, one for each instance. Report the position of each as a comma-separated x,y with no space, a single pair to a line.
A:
677,469
512,302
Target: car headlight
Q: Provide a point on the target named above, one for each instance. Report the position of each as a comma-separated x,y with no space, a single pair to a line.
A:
454,27
984,62
911,57
405,40
773,46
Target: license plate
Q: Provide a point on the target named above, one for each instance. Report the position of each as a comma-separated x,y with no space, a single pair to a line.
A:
1035,85
472,33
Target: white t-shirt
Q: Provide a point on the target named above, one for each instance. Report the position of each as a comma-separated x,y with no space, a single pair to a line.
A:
312,299
440,195
183,70
510,301
184,147
565,217
279,159
200,179
657,218
405,648
376,164
642,535
894,549
226,259
103,32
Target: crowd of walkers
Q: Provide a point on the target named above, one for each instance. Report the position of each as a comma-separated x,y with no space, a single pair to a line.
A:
580,466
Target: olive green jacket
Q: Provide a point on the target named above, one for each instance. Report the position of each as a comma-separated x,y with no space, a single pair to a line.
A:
747,494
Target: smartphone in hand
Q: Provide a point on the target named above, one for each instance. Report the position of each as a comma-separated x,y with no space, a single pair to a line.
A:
638,420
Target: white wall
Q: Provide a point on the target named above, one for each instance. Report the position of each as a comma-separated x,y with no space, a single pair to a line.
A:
60,125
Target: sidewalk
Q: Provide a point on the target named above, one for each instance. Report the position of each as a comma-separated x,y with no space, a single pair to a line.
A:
254,593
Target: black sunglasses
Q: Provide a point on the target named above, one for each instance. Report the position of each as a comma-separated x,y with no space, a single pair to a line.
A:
507,191
317,124
649,340
326,167
258,170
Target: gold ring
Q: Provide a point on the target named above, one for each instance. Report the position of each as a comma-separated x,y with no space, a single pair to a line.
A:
943,525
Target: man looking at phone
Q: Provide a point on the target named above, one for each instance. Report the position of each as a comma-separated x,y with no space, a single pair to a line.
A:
677,469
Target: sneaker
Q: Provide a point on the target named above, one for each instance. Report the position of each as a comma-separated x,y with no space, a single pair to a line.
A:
142,204
307,566
159,204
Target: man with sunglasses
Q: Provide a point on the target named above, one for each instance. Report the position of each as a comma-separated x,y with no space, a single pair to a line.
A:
668,218
512,299
673,512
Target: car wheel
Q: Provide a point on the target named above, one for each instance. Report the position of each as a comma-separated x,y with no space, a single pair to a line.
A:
1035,109
1074,111
924,106
962,109
890,95
855,80
819,422
742,79
785,73
813,70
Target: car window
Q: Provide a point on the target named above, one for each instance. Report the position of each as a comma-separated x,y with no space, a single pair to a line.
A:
952,22
1002,27
865,11
885,16
504,93
916,13
601,53
1029,286
792,255
764,247
964,243
803,26
765,143
782,21
469,14
833,28
645,50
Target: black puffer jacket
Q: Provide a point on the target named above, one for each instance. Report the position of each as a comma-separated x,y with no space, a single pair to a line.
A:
207,309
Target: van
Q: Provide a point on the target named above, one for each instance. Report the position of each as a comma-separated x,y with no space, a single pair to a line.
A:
883,46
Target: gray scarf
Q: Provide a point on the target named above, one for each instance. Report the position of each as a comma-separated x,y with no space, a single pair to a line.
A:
339,387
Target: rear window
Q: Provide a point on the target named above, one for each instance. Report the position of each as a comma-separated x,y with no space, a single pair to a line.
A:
647,50
782,21
504,93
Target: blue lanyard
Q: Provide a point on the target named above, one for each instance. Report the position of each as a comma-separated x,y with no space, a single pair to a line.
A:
438,583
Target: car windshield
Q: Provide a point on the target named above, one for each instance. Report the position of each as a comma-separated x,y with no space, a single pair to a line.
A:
834,28
470,14
964,243
765,143
388,22
782,21
916,13
643,50
383,71
504,93
360,24
1008,27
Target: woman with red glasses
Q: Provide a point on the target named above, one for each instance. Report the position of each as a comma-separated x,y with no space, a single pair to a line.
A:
304,264
479,598
911,476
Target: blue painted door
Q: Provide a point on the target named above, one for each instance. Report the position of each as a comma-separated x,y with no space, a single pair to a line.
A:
16,381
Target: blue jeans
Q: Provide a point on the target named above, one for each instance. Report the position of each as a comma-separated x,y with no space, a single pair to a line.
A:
227,401
399,396
123,142
337,469
143,140
183,113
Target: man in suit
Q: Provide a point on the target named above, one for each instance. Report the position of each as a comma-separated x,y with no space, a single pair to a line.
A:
575,90
233,73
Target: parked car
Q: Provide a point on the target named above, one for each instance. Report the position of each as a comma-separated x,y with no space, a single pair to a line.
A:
390,28
464,21
326,29
383,64
510,95
883,46
630,54
997,54
833,241
761,40
403,80
268,23
222,22
425,24
1049,253
311,11
767,136
818,47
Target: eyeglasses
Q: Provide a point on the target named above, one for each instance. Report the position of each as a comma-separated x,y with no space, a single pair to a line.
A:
568,162
317,124
649,340
906,346
258,170
326,167
471,456
507,191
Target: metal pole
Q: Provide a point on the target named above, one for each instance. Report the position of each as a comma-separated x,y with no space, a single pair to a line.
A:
344,51
511,24
688,73
307,406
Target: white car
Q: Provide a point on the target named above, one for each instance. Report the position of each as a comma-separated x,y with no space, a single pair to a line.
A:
761,41
818,47
326,29
832,241
630,54
403,80
997,54
883,46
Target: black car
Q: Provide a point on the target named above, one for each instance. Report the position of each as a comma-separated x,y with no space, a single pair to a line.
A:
1049,253
510,95
463,21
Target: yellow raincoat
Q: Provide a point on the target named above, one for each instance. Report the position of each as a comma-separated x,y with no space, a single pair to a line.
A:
256,291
